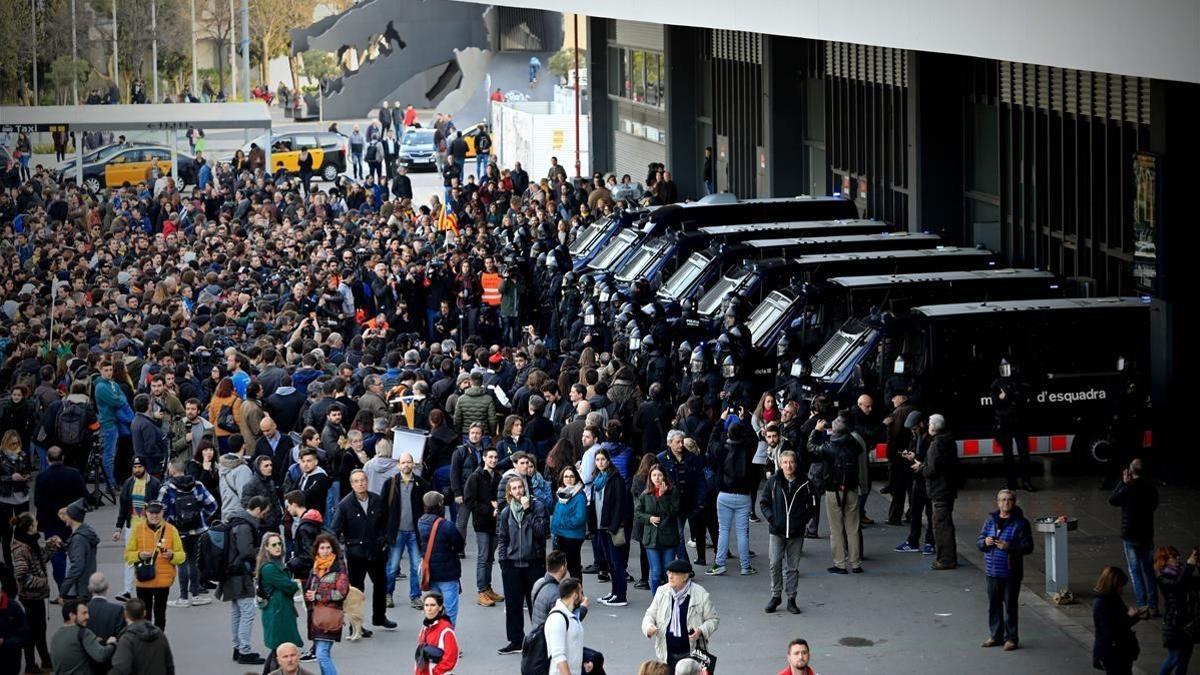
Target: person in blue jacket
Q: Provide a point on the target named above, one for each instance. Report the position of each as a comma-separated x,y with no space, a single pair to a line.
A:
568,524
1005,540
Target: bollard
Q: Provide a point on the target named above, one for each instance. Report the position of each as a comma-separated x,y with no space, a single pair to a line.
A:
1055,542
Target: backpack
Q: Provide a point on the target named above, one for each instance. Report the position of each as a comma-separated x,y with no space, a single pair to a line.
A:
535,655
187,511
213,558
225,420
843,470
71,423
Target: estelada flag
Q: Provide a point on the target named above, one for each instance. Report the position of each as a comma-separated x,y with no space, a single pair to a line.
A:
447,221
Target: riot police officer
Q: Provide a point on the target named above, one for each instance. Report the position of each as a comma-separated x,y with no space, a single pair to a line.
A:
736,391
655,366
1008,403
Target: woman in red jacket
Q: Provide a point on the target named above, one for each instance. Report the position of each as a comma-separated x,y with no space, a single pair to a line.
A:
437,646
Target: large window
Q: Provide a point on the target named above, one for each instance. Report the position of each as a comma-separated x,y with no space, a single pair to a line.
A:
636,75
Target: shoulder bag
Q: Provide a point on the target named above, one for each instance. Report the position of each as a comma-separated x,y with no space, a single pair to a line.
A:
428,554
146,570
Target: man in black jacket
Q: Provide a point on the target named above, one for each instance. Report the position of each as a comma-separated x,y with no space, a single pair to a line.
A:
307,524
837,454
402,495
238,586
402,184
284,405
361,522
149,441
1138,498
262,483
786,503
940,471
278,447
480,498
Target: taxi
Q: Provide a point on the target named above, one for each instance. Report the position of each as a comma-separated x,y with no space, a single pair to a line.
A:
131,165
329,151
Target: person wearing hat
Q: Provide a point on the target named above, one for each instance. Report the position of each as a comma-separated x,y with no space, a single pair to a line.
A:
681,617
138,489
81,550
919,503
155,549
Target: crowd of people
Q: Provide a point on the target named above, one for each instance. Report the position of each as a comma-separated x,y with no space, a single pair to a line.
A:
333,379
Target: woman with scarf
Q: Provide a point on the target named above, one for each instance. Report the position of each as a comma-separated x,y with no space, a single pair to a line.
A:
568,525
521,530
437,645
613,504
681,617
766,412
276,588
15,475
326,589
29,558
1179,584
658,511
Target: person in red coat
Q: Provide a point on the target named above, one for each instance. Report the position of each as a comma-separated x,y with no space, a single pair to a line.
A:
437,646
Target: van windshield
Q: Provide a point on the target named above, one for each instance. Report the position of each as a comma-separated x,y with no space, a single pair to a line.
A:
687,275
587,238
729,284
641,261
766,315
615,249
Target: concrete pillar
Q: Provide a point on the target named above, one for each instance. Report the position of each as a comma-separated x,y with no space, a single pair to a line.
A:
783,112
935,146
685,150
601,109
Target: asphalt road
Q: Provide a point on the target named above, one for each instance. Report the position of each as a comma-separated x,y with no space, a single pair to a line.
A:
898,617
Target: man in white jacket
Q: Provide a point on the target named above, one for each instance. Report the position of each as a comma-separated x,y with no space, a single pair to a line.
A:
681,617
564,632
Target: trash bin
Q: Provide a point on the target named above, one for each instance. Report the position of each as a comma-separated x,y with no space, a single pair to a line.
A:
1054,531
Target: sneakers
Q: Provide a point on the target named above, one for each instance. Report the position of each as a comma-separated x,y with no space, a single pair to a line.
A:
642,584
748,571
416,603
792,607
308,656
927,549
990,642
755,519
602,577
390,602
857,570
610,596
612,601
496,597
484,600
509,649
201,600
1010,646
904,547
591,569
715,570
251,659
124,597
837,570
691,543
179,602
773,604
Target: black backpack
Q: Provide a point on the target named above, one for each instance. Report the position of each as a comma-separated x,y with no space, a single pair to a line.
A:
843,470
188,509
225,420
213,560
71,424
535,655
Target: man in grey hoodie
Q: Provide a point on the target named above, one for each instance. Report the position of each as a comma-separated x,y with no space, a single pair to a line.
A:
380,467
81,550
234,474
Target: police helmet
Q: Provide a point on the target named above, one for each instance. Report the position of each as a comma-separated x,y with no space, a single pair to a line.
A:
568,277
730,366
648,343
685,350
1005,368
699,358
783,346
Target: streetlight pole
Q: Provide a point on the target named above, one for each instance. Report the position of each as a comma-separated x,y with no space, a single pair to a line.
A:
154,45
232,54
74,60
578,164
195,77
116,55
33,15
246,50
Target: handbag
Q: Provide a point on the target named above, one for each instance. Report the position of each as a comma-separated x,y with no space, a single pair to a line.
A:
428,554
708,662
326,618
618,537
146,570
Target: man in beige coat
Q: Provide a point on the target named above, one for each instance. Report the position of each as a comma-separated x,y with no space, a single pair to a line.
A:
681,617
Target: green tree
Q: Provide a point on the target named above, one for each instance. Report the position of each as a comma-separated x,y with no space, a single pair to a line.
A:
318,66
563,62
61,74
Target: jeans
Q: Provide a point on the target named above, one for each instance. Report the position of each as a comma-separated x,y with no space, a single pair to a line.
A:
40,452
1002,608
108,441
241,622
481,163
733,510
509,330
450,591
332,498
405,541
189,573
485,556
441,483
658,558
356,164
785,564
708,187
1177,660
1141,573
58,561
324,649
616,558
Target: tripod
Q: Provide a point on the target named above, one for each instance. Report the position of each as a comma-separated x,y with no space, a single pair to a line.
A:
102,488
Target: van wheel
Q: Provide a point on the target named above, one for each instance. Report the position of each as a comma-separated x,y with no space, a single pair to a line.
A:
329,172
1100,451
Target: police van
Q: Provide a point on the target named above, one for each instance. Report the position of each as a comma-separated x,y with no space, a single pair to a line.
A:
1083,363
592,238
726,209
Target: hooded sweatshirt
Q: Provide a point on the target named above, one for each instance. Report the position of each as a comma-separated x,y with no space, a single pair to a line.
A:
143,649
305,533
81,561
234,475
264,486
379,469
